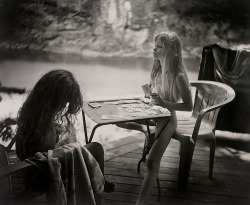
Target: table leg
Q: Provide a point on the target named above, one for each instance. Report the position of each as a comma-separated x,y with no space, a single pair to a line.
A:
148,129
144,152
93,132
85,127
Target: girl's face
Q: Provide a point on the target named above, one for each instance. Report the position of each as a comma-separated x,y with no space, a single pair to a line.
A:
159,51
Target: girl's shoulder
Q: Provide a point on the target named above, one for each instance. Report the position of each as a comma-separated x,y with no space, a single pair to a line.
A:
181,79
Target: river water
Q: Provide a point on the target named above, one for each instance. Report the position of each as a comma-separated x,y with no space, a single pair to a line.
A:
99,77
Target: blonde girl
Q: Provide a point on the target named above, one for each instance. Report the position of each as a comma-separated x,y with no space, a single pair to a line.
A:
170,82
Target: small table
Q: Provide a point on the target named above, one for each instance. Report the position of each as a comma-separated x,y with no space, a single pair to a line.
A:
119,110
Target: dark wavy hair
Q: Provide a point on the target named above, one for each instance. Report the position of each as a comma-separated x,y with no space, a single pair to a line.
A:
45,104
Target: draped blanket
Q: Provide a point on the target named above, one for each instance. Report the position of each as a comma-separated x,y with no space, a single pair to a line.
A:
232,67
74,175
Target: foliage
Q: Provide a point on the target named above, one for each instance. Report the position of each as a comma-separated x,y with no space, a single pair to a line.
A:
237,12
5,129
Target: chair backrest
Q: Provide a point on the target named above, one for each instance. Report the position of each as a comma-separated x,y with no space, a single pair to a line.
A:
210,96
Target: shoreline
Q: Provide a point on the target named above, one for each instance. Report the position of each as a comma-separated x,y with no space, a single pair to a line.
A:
8,53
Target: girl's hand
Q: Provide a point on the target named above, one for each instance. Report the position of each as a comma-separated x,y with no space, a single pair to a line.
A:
156,100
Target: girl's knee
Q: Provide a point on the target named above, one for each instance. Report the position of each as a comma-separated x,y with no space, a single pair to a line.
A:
98,147
95,148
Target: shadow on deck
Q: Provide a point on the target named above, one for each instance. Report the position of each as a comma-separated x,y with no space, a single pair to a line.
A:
230,183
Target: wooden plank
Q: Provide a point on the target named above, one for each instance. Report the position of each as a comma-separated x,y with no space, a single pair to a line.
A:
222,181
196,196
214,198
231,163
195,166
210,187
136,181
195,176
124,145
117,202
123,141
197,161
128,197
124,172
203,180
223,166
218,190
203,153
122,150
137,154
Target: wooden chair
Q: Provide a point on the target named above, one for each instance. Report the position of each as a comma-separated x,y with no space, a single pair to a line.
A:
210,96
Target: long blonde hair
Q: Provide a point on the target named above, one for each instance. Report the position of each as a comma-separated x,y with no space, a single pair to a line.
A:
174,61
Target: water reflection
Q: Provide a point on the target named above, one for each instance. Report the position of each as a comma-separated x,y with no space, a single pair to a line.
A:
99,77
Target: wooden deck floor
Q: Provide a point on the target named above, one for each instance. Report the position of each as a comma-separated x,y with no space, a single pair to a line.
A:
230,183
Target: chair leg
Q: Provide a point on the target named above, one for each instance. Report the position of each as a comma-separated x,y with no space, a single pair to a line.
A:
186,155
212,154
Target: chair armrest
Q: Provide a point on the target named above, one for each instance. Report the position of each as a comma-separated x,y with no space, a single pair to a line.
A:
15,167
209,109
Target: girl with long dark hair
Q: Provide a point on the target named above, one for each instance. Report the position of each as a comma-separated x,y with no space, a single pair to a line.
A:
46,119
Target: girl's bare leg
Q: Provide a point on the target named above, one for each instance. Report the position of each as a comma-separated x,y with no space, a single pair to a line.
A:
155,155
133,126
138,125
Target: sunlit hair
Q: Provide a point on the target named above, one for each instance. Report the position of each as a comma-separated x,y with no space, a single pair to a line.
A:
173,61
46,103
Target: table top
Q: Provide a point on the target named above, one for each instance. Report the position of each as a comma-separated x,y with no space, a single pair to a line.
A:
122,110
